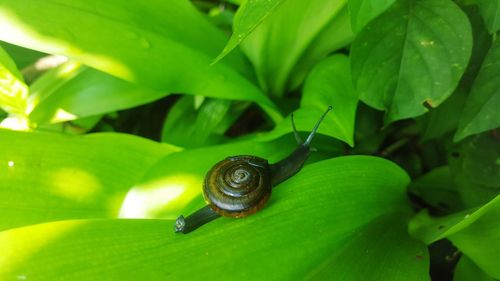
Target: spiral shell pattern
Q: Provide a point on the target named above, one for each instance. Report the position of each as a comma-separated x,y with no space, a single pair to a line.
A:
238,186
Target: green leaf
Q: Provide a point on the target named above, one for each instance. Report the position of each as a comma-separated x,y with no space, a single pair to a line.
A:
147,43
411,55
466,270
187,126
474,232
47,177
490,10
13,91
329,83
21,56
72,91
278,43
337,34
249,15
481,107
438,190
363,11
310,220
475,167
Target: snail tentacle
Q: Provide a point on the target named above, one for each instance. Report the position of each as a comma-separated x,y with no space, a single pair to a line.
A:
295,133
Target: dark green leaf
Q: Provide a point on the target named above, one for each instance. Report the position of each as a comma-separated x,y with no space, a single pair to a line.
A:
481,107
490,9
475,167
414,53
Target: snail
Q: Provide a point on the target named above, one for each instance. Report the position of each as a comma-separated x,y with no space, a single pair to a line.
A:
239,186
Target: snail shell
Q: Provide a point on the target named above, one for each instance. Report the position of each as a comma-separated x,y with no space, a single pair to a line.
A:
238,186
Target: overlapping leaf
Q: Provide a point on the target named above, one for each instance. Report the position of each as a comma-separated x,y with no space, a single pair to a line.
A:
165,46
411,56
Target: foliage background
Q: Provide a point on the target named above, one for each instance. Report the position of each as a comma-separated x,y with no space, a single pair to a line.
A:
113,111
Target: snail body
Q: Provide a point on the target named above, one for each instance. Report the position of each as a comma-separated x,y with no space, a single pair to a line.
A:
239,186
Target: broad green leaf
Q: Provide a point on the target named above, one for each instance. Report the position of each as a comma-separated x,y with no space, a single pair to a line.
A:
167,46
311,219
13,91
474,232
475,167
438,190
490,9
466,270
47,177
167,188
411,56
363,11
481,107
248,16
337,34
329,83
73,91
278,43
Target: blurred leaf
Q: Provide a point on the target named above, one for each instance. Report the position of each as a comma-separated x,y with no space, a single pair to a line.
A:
72,91
367,193
337,34
248,16
363,11
278,43
481,107
475,167
187,127
490,9
466,270
475,232
329,83
13,91
437,189
47,177
412,54
22,57
141,42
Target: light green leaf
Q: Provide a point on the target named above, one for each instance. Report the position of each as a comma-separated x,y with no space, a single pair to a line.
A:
337,34
363,11
475,232
47,177
13,91
411,55
277,45
329,83
490,10
466,270
167,46
248,16
311,219
481,107
72,91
